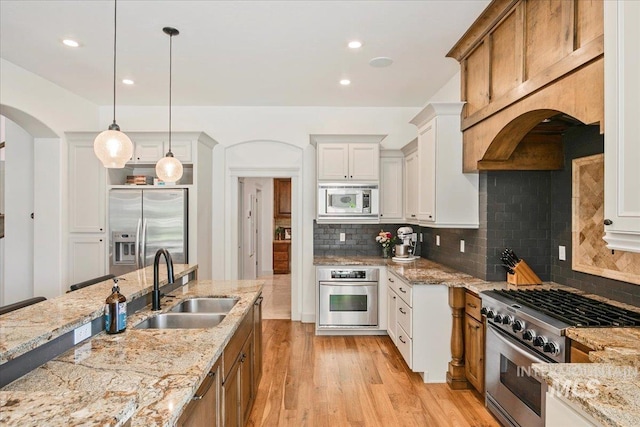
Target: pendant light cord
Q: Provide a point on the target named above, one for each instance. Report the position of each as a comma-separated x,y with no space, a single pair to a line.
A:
115,41
170,79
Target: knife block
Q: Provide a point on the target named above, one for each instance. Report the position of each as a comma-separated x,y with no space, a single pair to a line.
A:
523,275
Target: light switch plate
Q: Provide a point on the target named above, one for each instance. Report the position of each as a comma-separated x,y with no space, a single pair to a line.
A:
420,237
343,237
562,253
461,245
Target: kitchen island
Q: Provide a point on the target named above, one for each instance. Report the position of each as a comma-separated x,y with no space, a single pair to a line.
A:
140,377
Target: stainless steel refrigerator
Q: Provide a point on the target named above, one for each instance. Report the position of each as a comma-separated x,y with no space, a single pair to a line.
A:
143,221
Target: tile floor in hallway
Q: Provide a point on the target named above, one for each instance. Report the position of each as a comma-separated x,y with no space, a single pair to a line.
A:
277,296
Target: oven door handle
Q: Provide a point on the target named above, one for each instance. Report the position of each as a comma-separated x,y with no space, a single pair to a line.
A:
516,348
338,283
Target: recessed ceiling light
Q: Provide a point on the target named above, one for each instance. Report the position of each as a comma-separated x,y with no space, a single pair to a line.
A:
70,43
355,44
127,81
381,62
345,82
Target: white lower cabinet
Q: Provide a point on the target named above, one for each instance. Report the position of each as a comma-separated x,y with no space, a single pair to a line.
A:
422,326
392,325
560,413
86,258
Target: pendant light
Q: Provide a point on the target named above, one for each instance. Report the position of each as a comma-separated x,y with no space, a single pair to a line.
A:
168,168
112,147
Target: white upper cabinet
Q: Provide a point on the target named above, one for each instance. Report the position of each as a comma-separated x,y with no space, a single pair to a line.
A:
391,188
622,127
87,192
446,197
150,149
348,157
411,181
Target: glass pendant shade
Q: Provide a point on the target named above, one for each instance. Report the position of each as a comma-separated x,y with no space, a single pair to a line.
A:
169,169
113,148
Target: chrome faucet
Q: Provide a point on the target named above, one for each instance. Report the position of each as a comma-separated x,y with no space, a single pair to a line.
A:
155,295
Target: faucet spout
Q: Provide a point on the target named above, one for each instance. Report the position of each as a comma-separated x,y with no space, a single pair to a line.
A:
155,294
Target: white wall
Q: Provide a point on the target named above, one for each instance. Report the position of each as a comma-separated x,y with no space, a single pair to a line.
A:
450,92
18,241
46,111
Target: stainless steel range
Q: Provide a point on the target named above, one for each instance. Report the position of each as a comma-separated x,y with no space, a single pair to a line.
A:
528,326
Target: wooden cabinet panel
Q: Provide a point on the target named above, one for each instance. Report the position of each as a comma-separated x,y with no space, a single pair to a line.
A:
282,197
281,257
474,352
506,55
589,21
472,307
231,393
246,392
579,353
476,88
546,35
204,408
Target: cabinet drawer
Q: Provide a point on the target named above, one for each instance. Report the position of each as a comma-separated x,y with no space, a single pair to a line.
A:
281,256
404,290
404,315
281,247
405,345
232,350
472,306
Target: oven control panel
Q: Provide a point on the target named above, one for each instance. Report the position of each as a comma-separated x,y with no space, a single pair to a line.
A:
348,274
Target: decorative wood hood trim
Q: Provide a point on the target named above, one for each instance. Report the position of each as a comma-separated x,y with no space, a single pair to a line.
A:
524,61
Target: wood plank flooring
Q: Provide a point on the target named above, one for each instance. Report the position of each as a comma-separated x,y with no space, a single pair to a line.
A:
311,380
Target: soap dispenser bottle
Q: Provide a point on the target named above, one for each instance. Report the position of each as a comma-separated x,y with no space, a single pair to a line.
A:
115,311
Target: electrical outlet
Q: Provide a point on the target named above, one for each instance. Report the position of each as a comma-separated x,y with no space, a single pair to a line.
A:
420,237
185,279
343,237
461,245
562,253
81,333
437,240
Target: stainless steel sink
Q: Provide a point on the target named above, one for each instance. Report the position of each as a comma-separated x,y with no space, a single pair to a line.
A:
205,305
181,321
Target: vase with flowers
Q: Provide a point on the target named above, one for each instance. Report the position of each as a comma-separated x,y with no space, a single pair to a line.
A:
386,240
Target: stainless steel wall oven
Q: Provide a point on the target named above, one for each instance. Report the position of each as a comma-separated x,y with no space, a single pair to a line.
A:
347,297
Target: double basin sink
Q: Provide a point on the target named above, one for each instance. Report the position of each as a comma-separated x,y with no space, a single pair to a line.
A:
190,314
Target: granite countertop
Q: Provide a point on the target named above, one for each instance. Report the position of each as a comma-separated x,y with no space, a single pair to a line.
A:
147,375
30,327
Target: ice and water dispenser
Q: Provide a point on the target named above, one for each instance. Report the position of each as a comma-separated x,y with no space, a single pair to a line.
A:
124,248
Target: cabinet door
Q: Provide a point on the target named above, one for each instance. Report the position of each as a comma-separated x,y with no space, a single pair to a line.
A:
622,127
149,151
257,343
203,410
231,391
392,324
364,161
181,150
391,188
474,352
282,197
333,162
87,189
427,173
411,186
86,258
246,380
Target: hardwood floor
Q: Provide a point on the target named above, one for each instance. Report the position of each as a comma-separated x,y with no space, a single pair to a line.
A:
277,296
311,380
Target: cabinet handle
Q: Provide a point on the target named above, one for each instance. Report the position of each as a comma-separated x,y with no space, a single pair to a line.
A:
402,311
402,290
243,358
258,301
608,222
210,377
351,176
400,338
101,240
472,305
391,280
345,176
413,215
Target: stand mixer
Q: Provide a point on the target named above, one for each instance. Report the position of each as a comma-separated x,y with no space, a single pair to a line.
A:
407,249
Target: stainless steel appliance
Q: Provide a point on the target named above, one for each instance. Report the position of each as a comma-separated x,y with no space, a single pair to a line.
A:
348,297
348,201
143,221
528,326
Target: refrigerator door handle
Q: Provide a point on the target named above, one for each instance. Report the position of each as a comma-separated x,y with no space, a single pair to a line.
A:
138,243
143,246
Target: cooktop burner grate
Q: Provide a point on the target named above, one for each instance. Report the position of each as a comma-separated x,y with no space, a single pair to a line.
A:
573,309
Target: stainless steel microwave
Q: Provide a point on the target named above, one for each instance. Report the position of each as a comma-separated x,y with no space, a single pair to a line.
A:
344,201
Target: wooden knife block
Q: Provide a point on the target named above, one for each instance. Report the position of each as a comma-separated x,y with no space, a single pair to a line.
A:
523,275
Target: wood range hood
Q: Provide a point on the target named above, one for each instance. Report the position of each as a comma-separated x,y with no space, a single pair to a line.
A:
530,69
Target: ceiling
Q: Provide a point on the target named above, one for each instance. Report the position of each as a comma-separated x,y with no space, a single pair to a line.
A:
241,53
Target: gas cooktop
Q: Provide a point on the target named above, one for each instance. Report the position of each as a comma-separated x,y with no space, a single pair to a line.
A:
575,310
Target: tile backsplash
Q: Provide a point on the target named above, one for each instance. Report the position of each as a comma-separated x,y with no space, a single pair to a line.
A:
359,239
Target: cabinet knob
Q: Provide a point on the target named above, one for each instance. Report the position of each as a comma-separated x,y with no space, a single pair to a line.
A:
345,176
351,176
608,222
